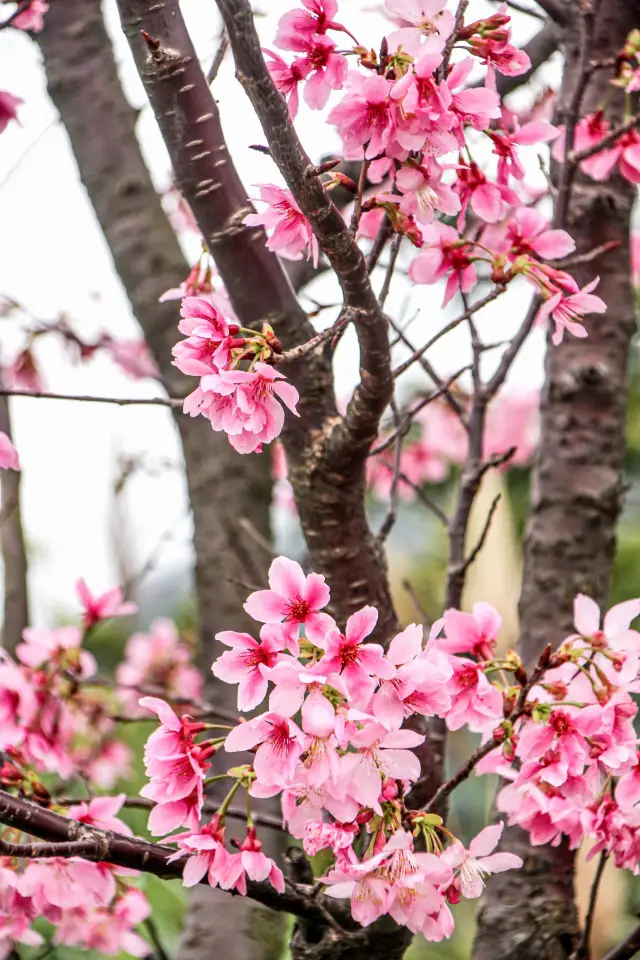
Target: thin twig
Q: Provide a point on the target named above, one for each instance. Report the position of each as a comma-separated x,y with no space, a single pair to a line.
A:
582,950
485,531
119,401
391,266
218,58
429,504
408,586
390,519
474,308
357,207
154,936
627,948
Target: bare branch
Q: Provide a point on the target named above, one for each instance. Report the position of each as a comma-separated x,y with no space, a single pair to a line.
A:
582,951
218,58
174,402
627,948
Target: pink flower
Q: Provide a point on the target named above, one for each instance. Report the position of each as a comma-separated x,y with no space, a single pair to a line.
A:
476,703
60,647
209,338
476,106
505,146
472,865
287,77
158,659
365,115
280,743
292,233
206,850
102,607
380,753
101,812
242,664
242,404
295,26
356,662
563,738
323,68
18,704
8,108
527,231
475,633
444,253
567,312
488,200
9,459
33,17
134,357
295,599
423,192
420,20
256,865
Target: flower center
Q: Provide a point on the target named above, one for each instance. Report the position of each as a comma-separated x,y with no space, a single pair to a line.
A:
299,610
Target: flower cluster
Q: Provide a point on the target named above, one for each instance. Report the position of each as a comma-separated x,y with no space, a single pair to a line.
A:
334,744
411,116
241,403
90,904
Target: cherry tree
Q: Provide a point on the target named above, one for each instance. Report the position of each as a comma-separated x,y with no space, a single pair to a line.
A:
340,716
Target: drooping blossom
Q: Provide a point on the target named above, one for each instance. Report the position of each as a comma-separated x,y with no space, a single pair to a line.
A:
568,310
444,253
472,865
102,606
291,234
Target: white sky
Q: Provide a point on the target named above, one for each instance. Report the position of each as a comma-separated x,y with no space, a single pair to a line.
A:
53,259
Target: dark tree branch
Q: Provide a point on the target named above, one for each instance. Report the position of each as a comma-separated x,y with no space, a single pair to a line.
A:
627,948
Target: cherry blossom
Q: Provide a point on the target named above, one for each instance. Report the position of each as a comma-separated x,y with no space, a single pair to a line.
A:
291,231
104,606
9,459
472,865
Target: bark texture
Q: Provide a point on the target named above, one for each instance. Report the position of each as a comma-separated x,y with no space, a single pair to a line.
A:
576,494
14,552
223,486
329,493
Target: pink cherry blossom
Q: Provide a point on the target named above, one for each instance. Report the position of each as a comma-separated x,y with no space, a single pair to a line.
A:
280,743
356,662
420,20
9,459
475,702
134,357
527,231
101,812
472,865
293,599
292,234
380,752
475,633
209,340
32,18
505,146
242,664
287,77
444,253
243,404
365,115
61,645
567,311
160,660
256,865
297,25
102,606
423,192
8,108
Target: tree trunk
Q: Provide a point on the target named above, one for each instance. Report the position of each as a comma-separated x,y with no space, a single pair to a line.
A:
576,496
14,553
223,486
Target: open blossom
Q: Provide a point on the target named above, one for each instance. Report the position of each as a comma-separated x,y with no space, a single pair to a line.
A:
475,633
420,20
296,25
294,600
208,338
365,115
287,78
101,812
243,404
103,606
381,753
423,192
9,459
527,231
291,234
472,865
32,17
475,702
567,310
357,663
42,647
280,743
323,68
505,146
243,663
444,253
